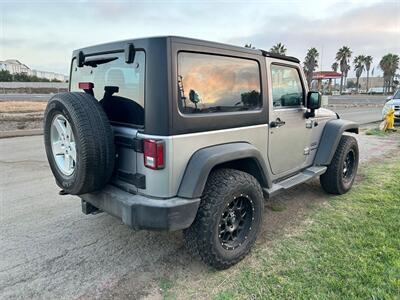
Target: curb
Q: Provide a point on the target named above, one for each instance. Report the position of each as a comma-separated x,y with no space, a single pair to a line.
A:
19,133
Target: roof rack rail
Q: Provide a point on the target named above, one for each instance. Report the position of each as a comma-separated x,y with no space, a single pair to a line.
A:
284,57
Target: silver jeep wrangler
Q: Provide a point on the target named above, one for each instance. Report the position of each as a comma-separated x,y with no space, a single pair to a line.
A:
171,133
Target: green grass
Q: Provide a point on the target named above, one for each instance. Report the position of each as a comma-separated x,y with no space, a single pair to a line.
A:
165,286
277,206
377,132
351,250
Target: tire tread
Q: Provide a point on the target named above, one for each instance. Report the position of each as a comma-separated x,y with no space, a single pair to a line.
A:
94,137
199,237
331,180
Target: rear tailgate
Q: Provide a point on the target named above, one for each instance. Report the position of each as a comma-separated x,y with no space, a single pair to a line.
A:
127,145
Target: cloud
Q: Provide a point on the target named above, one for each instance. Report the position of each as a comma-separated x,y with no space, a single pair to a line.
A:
373,30
45,33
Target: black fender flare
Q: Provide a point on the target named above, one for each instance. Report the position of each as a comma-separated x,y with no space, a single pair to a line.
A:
204,160
330,139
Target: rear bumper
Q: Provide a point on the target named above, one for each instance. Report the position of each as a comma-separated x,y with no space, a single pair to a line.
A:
140,212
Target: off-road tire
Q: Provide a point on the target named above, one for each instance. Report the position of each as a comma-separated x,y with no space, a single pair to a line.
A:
202,237
332,181
95,152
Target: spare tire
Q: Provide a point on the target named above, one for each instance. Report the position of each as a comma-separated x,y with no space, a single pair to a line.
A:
79,142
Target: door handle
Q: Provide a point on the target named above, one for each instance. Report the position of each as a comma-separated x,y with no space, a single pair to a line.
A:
277,123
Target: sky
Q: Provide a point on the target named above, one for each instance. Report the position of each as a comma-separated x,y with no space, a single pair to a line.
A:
43,34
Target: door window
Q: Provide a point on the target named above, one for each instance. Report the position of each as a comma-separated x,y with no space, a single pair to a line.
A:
287,89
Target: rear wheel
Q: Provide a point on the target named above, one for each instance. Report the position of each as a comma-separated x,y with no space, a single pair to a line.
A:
340,175
228,220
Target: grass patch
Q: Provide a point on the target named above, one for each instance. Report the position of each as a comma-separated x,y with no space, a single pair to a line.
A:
351,250
165,287
277,206
377,132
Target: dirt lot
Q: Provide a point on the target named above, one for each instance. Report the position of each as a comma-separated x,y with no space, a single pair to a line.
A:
51,250
21,115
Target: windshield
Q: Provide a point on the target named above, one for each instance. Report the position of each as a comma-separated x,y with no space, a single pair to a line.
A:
397,95
124,104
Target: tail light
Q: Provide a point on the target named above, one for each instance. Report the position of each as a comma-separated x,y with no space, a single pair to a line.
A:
85,85
153,153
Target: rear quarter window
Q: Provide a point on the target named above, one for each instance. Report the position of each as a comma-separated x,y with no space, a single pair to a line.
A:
214,83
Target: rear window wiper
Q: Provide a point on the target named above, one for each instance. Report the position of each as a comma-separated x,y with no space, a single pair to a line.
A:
95,61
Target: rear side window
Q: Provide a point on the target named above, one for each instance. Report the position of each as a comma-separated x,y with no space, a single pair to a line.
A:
124,104
213,83
287,89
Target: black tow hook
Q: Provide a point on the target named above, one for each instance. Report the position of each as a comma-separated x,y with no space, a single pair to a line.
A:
62,193
88,208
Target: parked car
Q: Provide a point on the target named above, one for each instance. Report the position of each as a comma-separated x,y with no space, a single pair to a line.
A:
393,102
172,133
376,91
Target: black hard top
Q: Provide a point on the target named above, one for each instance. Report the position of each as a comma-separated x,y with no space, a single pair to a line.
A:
161,113
141,42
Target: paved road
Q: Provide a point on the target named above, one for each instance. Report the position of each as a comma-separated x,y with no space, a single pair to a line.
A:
361,115
358,99
25,97
49,249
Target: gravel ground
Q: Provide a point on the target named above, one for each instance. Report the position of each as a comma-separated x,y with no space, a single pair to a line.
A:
51,250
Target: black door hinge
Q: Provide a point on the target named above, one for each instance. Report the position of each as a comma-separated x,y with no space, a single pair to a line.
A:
131,143
138,180
138,145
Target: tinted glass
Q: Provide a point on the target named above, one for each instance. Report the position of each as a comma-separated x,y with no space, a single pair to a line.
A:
211,83
286,86
127,104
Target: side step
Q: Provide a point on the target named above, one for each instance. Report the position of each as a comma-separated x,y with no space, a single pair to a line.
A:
301,177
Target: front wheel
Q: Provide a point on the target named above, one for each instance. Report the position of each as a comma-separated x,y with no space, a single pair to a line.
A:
340,175
228,220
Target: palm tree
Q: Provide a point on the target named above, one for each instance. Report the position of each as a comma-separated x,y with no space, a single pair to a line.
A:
278,49
368,62
343,56
335,67
389,64
359,64
310,64
346,72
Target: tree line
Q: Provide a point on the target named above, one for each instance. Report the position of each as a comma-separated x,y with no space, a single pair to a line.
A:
389,64
6,76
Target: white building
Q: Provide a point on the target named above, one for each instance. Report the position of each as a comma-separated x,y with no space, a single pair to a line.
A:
49,75
16,67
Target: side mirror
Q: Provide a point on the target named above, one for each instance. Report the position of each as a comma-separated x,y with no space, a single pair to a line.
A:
313,100
313,103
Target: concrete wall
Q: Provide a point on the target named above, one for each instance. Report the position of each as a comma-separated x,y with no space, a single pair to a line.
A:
373,82
16,85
